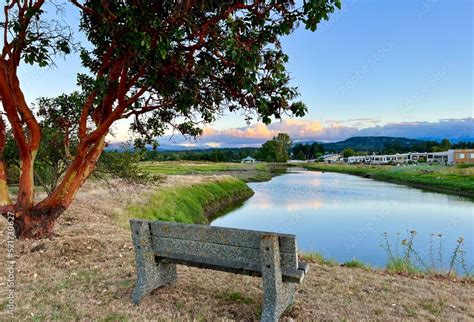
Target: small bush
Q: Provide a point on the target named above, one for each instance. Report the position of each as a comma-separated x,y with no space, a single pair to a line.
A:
401,266
355,264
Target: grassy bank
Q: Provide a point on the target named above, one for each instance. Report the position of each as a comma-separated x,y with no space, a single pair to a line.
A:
458,180
254,172
196,203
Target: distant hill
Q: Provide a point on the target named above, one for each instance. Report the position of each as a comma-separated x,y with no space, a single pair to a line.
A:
357,143
370,143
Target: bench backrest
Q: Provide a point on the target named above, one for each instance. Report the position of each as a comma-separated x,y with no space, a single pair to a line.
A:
227,249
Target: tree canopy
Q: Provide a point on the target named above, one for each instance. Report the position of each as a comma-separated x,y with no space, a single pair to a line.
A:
166,64
276,150
348,152
309,150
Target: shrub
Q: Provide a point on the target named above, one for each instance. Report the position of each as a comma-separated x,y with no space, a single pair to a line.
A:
354,263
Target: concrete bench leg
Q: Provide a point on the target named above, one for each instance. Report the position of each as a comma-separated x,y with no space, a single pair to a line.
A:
151,273
277,295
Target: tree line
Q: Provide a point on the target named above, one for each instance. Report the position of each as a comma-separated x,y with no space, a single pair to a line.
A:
422,146
277,149
211,155
281,148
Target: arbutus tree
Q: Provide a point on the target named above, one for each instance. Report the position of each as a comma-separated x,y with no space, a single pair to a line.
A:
166,64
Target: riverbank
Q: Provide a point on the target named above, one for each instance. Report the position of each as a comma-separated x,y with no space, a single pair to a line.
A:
454,180
87,272
193,203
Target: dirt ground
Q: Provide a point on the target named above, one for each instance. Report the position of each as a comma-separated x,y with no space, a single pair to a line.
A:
86,272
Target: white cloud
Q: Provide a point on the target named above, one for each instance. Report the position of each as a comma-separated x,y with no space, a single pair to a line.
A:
302,130
308,130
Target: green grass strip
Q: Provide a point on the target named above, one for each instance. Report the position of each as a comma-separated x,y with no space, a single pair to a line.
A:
194,203
455,179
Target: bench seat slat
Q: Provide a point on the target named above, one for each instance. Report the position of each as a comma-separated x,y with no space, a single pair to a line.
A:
295,277
218,255
220,235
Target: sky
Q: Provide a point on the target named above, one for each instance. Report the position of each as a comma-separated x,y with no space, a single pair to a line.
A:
391,67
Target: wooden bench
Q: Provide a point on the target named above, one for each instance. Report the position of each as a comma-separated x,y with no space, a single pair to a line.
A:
159,246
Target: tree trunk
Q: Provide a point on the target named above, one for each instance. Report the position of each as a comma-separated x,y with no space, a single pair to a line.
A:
35,224
34,221
26,131
39,220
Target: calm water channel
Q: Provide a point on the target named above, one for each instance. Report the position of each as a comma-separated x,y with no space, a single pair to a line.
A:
344,216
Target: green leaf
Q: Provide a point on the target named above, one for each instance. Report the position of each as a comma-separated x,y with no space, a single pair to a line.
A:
163,53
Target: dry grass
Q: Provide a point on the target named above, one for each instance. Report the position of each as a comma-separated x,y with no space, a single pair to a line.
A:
86,272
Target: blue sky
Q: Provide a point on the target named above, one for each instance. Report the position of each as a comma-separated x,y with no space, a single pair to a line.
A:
374,57
374,63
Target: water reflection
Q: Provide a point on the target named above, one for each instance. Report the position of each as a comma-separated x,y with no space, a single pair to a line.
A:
344,216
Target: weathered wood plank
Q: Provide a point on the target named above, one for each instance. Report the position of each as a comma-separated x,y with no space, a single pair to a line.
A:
235,257
220,235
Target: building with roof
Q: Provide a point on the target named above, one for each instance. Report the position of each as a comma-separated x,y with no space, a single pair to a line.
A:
248,159
331,158
444,157
461,156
